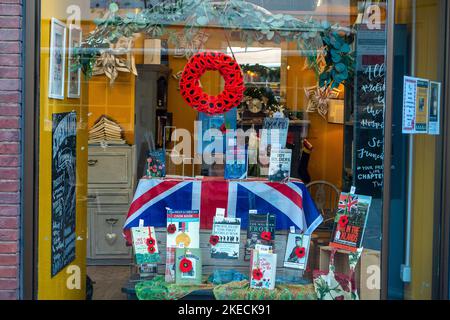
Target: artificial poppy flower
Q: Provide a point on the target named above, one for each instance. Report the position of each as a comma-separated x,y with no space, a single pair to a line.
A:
300,252
185,265
266,235
214,240
150,242
343,221
257,274
151,249
171,228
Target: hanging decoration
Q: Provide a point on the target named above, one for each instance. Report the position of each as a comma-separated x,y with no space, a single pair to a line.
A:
195,97
186,47
117,58
318,98
333,64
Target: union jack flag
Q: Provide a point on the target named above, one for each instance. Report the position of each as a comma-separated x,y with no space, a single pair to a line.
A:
347,203
290,201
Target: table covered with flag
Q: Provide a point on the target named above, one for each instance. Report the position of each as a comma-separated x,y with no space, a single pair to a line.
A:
290,202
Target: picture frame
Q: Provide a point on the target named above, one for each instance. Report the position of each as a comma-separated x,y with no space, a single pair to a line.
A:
74,77
57,66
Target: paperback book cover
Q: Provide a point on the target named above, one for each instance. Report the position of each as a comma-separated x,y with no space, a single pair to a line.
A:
228,231
280,165
188,266
350,221
235,159
297,251
275,132
185,225
156,163
261,230
145,245
263,268
183,231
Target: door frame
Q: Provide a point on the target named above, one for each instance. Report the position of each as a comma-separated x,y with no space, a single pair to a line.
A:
30,149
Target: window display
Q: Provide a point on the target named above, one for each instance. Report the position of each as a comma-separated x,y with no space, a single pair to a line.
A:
197,123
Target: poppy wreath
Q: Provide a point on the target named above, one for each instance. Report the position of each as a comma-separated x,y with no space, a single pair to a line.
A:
228,68
185,265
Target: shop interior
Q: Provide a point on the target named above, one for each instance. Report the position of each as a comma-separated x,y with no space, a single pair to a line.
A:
138,94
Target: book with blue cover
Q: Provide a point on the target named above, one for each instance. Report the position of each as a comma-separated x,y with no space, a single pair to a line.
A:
236,161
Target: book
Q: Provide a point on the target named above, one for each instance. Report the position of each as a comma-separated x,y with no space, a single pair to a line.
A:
236,160
142,247
156,163
187,228
350,221
106,130
263,268
229,232
275,132
258,226
280,165
191,273
297,251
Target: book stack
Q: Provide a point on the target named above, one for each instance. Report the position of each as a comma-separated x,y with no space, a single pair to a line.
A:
106,131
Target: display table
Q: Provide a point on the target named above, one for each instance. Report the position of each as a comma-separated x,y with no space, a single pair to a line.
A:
291,202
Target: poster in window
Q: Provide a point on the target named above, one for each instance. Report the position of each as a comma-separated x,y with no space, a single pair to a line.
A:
434,108
57,60
74,78
63,190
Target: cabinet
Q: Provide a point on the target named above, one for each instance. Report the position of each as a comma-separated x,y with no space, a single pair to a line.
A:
111,180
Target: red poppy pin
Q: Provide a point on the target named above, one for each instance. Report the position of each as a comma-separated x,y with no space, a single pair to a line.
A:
300,252
214,240
185,265
150,242
343,221
257,274
266,235
151,249
171,228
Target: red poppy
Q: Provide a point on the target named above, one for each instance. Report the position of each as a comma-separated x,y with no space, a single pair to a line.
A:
150,242
214,240
185,265
151,249
223,128
339,298
300,252
257,274
171,228
266,235
343,221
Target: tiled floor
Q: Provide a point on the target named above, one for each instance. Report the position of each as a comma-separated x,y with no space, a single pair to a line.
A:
109,281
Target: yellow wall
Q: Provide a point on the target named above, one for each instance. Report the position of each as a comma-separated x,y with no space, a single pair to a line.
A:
55,288
326,160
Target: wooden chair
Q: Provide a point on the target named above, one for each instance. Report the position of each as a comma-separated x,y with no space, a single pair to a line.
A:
326,197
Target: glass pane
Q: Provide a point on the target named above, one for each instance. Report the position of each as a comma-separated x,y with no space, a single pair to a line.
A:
156,89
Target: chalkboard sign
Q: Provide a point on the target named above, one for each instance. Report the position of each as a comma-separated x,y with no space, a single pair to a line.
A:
369,112
63,190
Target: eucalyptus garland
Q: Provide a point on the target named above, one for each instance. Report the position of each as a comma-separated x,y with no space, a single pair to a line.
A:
328,47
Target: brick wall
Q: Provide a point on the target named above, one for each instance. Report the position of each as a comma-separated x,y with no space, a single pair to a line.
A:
10,122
